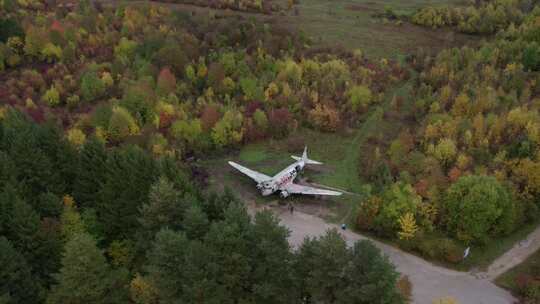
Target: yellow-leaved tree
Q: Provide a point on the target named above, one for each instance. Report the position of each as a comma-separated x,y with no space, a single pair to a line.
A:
408,226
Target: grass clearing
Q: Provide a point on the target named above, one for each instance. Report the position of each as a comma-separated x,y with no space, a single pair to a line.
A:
351,23
253,154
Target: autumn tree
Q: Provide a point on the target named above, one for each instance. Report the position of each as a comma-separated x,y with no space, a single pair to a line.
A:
398,199
228,130
359,97
138,99
209,117
121,124
281,121
408,226
166,82
92,87
189,132
324,118
125,50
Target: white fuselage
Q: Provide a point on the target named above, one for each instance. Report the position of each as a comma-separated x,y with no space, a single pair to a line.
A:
278,181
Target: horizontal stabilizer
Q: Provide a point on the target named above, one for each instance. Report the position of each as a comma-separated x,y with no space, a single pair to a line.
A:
307,160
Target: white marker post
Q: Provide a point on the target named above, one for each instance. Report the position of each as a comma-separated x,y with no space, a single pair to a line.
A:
466,253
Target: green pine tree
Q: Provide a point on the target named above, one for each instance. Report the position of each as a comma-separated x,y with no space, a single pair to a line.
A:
195,222
90,172
370,277
85,276
18,285
129,174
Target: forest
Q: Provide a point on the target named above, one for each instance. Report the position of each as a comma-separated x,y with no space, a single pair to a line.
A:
465,169
89,224
99,106
102,107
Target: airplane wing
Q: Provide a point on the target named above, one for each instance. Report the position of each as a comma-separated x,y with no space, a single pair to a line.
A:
254,175
299,189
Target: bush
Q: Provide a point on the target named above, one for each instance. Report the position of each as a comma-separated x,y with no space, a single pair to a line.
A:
438,248
404,287
532,291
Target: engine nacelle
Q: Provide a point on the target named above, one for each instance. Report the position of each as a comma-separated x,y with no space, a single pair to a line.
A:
284,194
260,186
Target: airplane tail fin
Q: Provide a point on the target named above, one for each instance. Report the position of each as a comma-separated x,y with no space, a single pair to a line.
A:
306,159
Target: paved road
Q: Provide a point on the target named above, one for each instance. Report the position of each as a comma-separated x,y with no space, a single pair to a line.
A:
430,282
521,251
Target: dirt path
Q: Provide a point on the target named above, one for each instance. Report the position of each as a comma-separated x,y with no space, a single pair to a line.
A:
430,282
519,253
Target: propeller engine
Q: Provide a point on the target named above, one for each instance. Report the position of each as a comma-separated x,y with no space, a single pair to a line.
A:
284,194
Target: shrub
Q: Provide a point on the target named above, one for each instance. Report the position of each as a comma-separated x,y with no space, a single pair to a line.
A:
532,292
404,287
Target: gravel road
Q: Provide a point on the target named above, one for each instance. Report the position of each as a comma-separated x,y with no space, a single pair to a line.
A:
429,281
